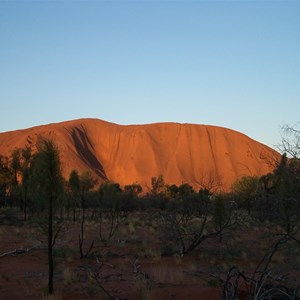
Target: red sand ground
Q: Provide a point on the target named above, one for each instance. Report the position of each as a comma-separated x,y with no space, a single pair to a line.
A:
25,276
195,276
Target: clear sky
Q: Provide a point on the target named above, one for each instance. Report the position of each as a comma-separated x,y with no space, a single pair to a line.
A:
234,64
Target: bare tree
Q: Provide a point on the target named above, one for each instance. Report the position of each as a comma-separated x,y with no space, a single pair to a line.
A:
211,181
290,141
188,226
261,284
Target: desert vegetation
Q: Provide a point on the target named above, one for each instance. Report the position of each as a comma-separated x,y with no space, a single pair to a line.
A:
76,238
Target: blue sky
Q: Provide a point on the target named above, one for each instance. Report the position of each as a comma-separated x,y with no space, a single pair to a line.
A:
234,64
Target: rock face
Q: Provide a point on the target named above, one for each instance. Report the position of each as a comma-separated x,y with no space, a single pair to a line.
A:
199,155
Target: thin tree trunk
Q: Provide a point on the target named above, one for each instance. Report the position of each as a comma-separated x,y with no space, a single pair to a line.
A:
74,211
50,246
25,205
81,238
25,210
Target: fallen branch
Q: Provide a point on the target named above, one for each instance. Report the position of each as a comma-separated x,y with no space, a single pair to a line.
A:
99,278
21,251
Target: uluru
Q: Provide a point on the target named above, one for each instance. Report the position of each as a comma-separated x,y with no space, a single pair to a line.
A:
183,153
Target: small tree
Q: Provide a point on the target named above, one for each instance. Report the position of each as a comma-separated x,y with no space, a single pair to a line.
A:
47,182
15,177
5,179
74,184
280,203
15,164
9,172
86,183
220,214
133,189
131,196
245,191
158,185
26,175
110,210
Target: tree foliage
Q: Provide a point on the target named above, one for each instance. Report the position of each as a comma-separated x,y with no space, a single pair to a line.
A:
245,191
5,179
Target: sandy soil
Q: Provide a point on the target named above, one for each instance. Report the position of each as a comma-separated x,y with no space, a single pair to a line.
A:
131,266
24,275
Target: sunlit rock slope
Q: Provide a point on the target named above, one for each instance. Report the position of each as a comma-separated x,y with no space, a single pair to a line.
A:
199,155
